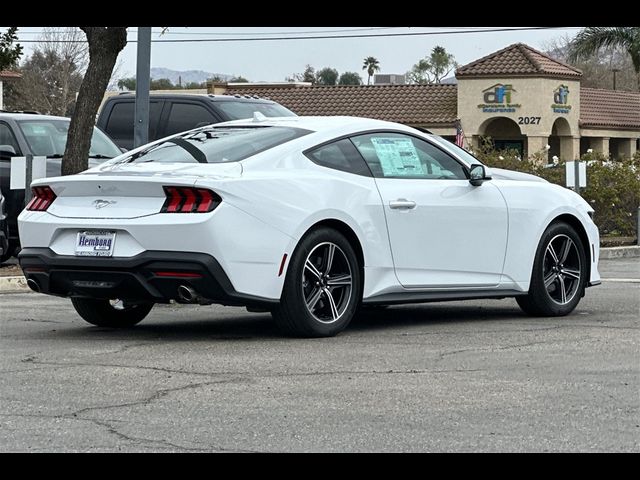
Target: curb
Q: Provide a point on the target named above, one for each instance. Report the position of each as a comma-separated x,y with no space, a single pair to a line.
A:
620,252
16,284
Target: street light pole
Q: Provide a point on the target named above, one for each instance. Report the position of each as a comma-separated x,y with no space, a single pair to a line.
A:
143,73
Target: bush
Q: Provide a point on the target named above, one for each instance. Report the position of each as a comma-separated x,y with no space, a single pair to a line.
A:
613,187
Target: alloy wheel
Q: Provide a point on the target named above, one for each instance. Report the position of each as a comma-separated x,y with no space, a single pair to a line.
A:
562,269
327,282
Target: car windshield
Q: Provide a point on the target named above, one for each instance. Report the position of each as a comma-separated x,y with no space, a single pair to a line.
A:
48,137
241,110
216,145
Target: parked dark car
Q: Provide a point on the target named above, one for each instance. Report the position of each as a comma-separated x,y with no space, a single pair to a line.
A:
174,113
39,135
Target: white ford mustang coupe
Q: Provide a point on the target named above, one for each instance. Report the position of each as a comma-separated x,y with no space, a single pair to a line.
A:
310,218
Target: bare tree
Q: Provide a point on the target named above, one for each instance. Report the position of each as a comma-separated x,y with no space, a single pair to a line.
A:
105,43
52,75
598,69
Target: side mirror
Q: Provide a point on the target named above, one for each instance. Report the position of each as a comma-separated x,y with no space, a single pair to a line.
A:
7,151
477,175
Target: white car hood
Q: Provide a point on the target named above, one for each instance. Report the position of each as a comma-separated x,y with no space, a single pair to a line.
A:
502,174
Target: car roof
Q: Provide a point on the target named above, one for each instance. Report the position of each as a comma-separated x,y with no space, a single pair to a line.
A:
190,96
29,116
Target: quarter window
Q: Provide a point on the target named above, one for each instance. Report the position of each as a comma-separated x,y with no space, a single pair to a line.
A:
340,155
394,155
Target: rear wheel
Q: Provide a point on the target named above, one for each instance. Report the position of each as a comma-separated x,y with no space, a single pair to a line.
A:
323,286
559,274
111,313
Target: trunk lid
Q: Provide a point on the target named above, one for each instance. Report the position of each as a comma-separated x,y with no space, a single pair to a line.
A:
129,191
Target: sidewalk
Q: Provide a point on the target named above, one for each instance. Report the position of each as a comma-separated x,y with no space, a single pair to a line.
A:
12,280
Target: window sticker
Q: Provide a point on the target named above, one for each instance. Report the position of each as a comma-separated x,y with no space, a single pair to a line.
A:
398,157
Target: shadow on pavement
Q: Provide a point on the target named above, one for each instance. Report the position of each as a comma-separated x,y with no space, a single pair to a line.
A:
202,327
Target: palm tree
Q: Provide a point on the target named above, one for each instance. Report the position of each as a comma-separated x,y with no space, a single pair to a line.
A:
592,39
371,65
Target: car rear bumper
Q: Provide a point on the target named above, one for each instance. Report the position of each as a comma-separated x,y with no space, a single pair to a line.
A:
149,276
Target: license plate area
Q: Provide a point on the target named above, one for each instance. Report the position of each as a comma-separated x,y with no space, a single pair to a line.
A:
95,243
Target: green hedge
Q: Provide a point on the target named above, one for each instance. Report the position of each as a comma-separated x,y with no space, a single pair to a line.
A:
613,187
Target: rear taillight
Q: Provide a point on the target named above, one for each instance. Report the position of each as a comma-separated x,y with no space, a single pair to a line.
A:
42,199
189,200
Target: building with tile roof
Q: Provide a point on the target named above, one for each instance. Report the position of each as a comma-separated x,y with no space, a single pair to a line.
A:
519,97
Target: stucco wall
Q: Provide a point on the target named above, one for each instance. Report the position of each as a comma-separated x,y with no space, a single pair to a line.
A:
530,97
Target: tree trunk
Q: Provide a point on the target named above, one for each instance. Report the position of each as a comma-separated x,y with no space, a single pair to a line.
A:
105,43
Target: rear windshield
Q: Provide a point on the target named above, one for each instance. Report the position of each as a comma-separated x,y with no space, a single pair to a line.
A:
48,137
217,145
242,110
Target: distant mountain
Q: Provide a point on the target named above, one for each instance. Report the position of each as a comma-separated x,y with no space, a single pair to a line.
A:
186,76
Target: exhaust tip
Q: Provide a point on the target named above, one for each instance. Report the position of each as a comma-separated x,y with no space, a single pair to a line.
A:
187,294
33,285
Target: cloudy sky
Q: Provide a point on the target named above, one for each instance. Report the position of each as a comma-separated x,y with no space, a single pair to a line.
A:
260,60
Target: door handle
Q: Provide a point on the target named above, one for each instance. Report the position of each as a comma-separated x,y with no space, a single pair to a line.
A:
402,204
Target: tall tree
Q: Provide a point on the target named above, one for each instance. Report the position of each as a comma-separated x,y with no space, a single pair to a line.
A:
434,68
9,53
350,78
371,65
309,74
238,79
327,76
105,43
52,75
591,39
598,69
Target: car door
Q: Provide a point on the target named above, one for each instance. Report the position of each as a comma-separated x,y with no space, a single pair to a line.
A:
443,231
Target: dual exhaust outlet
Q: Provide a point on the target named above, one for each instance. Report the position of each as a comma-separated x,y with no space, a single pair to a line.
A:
186,294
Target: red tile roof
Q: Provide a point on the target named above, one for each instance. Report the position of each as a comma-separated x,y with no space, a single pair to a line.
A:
518,60
410,104
432,105
609,108
9,75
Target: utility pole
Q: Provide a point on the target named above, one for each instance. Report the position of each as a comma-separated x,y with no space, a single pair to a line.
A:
143,74
615,70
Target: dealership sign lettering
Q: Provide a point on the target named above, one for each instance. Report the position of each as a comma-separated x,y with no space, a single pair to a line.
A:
497,99
561,100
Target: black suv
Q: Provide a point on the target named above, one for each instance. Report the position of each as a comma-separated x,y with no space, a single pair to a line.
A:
174,113
38,135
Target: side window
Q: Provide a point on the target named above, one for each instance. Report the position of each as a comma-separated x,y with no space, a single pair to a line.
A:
185,116
395,155
340,155
8,144
120,124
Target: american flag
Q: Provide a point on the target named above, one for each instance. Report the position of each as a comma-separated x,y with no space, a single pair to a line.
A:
459,135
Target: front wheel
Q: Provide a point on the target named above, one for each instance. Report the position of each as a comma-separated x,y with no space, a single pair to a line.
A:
323,286
111,313
559,274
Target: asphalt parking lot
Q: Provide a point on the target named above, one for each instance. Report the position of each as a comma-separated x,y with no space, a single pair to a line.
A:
461,376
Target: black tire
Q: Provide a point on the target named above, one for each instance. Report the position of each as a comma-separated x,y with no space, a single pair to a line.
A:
102,313
333,301
554,290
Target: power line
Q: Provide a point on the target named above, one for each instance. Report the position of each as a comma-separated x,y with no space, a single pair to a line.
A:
134,32
322,37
